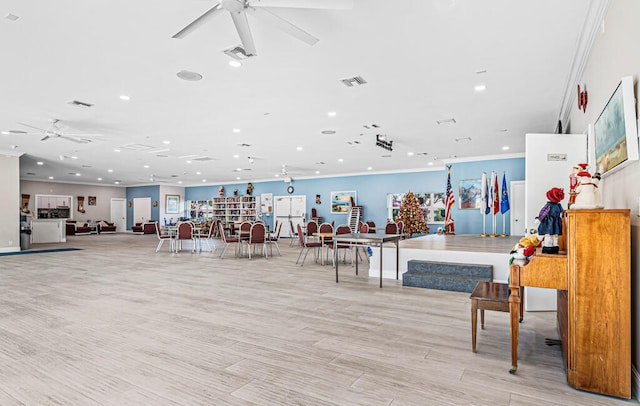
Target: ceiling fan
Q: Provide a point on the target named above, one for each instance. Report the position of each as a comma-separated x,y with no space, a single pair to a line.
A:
240,8
55,130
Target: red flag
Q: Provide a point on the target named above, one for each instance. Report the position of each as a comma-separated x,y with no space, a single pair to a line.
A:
448,204
495,194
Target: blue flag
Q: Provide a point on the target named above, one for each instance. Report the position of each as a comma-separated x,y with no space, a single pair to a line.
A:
504,202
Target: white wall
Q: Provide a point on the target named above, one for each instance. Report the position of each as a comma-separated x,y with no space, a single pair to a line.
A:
615,54
103,194
10,203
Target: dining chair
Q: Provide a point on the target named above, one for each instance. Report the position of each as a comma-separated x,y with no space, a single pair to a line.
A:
257,236
400,224
391,228
209,238
294,233
273,240
226,241
306,246
372,226
162,238
333,245
312,228
185,232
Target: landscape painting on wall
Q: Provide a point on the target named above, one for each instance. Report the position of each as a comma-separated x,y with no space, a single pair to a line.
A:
341,201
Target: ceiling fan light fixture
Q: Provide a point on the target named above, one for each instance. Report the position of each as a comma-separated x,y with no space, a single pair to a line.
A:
238,53
235,64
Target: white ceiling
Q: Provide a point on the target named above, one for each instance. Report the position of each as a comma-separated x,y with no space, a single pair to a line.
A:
420,59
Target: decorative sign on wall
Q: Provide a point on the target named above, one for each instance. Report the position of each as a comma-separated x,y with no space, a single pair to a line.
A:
92,200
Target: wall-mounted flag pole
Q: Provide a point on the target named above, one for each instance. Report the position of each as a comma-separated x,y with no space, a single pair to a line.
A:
484,203
504,204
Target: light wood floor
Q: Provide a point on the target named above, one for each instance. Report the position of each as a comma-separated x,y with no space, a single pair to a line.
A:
118,324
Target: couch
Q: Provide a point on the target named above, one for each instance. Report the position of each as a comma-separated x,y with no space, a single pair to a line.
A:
74,228
107,227
144,228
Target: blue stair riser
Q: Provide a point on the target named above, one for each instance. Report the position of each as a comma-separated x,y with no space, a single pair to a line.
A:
448,268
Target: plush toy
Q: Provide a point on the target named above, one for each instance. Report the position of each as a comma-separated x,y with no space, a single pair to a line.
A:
550,221
524,250
573,182
249,188
588,196
221,191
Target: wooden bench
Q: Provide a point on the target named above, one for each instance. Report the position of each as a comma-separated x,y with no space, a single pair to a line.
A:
489,296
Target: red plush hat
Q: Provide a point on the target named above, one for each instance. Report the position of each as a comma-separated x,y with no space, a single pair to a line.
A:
584,173
555,195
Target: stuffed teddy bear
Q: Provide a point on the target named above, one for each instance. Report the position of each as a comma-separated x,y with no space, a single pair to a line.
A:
587,194
524,250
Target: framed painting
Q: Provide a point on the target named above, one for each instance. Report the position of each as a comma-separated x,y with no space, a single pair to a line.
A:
172,204
341,201
469,193
92,200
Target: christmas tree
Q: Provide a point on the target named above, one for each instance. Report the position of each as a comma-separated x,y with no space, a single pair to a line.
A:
411,215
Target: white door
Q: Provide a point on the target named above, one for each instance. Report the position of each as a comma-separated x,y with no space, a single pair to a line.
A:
290,208
549,159
517,207
118,214
141,209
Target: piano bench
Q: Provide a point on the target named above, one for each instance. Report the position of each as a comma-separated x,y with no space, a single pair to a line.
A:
487,296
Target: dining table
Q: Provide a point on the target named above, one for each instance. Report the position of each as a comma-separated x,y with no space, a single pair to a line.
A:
370,239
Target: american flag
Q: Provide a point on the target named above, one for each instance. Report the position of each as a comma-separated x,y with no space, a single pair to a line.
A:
448,203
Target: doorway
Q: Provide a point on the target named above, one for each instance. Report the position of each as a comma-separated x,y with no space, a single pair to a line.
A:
518,223
290,208
141,209
118,214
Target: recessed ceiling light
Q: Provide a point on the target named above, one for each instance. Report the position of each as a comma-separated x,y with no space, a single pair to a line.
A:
6,133
188,162
40,163
340,160
331,114
198,173
74,157
166,142
299,148
109,170
430,164
369,168
180,182
77,174
235,64
116,150
117,182
236,156
410,153
237,177
506,147
146,166
480,88
204,180
317,172
50,177
99,178
125,97
236,130
277,175
189,76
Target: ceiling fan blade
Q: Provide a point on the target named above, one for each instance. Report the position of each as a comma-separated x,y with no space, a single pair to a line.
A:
322,4
208,15
35,128
284,25
242,26
76,140
46,137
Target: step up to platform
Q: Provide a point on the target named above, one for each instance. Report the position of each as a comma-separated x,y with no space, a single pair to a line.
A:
446,275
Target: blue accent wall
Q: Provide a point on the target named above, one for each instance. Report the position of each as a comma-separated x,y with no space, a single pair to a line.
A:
372,191
152,192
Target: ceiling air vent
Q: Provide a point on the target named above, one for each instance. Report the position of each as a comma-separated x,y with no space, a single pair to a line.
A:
137,147
447,121
356,80
80,104
203,159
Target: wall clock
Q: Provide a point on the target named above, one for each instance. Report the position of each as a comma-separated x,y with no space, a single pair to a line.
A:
290,189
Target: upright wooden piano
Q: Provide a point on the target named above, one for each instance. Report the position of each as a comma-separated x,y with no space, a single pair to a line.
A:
593,279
